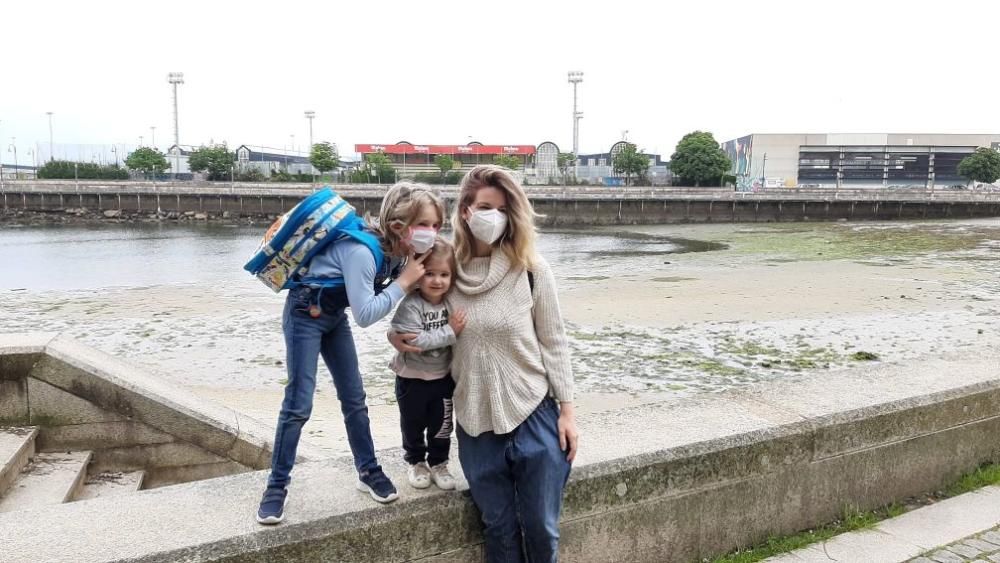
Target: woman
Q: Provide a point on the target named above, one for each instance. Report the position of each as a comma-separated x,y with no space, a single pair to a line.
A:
513,398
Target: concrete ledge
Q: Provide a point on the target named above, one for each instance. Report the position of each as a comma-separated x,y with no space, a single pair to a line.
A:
82,399
674,481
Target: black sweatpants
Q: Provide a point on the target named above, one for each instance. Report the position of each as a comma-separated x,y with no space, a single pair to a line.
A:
425,407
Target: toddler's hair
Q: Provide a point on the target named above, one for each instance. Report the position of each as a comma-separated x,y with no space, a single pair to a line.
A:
442,250
400,206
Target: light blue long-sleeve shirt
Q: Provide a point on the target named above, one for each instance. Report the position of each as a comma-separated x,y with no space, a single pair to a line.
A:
349,259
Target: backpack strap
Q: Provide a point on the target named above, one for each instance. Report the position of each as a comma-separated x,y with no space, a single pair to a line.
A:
531,281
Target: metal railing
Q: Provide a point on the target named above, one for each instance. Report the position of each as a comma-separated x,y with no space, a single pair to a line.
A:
535,192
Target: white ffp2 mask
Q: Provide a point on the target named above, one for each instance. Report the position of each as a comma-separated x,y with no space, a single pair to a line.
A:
487,225
421,239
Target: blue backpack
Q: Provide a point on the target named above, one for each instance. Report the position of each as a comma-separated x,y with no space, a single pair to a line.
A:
282,258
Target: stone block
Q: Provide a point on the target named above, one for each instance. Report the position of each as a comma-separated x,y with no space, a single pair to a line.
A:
150,456
945,556
131,391
15,366
945,521
99,436
992,536
865,545
13,402
982,545
964,550
51,406
24,343
163,476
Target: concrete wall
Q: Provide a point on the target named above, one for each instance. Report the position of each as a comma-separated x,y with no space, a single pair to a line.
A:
82,399
559,206
674,481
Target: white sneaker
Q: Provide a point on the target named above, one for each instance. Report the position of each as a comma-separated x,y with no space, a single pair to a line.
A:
442,477
419,476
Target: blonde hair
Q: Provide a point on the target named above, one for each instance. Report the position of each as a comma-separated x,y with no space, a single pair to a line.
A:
400,206
518,239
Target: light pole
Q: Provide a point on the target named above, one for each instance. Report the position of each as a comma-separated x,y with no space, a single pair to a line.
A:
140,141
763,178
175,78
576,77
310,114
51,149
152,136
13,148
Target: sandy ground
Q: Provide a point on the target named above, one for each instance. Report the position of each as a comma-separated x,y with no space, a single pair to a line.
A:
778,302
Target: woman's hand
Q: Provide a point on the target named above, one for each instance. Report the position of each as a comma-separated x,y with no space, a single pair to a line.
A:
401,341
568,435
412,272
457,321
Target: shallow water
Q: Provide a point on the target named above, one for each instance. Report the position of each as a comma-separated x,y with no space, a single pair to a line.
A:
175,297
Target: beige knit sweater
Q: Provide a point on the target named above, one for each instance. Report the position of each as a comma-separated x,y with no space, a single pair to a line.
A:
513,350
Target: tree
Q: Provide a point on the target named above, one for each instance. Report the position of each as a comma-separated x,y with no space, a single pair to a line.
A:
564,160
444,163
324,158
379,168
630,161
508,161
217,160
699,159
147,160
981,166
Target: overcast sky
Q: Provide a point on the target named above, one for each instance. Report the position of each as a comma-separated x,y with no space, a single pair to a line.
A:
450,72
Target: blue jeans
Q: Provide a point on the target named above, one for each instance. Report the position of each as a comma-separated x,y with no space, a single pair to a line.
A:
517,482
306,338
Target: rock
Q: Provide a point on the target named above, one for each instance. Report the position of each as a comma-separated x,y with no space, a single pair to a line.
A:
112,213
201,216
226,215
189,213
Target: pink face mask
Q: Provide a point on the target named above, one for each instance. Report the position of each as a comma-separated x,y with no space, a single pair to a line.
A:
421,239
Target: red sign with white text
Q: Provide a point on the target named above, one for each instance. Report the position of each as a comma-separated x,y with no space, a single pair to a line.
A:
406,148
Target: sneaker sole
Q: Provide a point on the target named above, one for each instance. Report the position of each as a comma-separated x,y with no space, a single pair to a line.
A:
438,485
419,486
272,520
384,500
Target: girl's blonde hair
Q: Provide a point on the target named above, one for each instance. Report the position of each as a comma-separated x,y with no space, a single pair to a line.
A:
518,239
400,206
444,251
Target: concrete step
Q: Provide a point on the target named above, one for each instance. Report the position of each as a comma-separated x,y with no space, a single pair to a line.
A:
111,483
50,478
17,447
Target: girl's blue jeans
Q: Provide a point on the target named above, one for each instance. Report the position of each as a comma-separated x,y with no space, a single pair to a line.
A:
307,338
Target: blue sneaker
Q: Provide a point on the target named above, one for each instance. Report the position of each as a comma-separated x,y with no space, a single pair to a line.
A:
377,484
272,506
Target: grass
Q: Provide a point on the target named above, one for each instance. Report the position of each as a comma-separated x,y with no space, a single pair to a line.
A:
853,519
